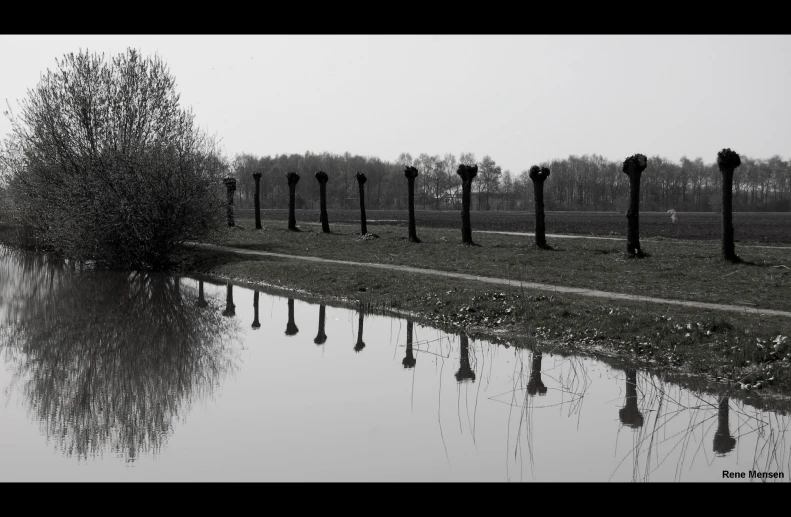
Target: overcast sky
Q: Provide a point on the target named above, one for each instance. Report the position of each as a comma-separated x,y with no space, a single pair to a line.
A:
520,99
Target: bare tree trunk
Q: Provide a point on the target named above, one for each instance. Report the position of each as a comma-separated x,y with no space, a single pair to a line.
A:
634,167
321,337
291,327
727,161
411,174
230,184
293,179
257,200
467,173
256,323
539,175
322,178
361,179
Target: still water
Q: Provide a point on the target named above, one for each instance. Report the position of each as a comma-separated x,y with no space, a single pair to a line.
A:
112,376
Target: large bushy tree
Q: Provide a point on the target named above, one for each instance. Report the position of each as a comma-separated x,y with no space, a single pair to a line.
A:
105,164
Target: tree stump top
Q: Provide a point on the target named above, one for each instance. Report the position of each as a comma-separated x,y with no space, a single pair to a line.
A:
230,183
256,175
635,163
538,173
322,177
292,178
361,177
467,172
728,159
410,172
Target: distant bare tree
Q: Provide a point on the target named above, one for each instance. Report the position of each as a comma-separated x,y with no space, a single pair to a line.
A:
727,161
257,199
230,185
634,167
467,173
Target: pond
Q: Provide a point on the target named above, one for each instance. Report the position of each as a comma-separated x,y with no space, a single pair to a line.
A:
113,376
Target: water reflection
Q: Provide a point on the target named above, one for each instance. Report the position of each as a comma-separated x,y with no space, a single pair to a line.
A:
465,372
409,360
359,345
534,385
321,337
630,414
230,308
110,361
256,323
291,327
723,441
116,361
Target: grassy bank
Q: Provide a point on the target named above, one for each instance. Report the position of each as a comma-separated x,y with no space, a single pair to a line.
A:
747,353
773,228
687,270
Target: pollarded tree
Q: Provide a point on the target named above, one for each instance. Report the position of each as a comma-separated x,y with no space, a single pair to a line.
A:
467,173
322,178
106,165
538,175
634,167
361,179
293,179
727,161
411,173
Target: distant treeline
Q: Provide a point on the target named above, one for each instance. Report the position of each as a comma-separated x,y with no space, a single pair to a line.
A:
588,182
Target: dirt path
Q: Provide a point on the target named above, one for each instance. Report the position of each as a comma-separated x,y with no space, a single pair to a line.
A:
512,283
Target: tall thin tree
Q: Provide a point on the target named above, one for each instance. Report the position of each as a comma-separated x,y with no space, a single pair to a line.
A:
322,178
293,179
634,167
538,175
411,173
467,173
727,161
257,199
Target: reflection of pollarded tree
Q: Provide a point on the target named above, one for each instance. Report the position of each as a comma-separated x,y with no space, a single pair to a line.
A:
230,308
359,345
291,327
201,298
630,414
256,323
535,386
465,372
321,337
409,361
110,361
723,441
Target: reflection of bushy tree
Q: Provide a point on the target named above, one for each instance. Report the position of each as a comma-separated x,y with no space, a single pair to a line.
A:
111,360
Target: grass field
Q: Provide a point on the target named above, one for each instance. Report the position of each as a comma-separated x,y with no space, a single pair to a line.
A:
752,227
